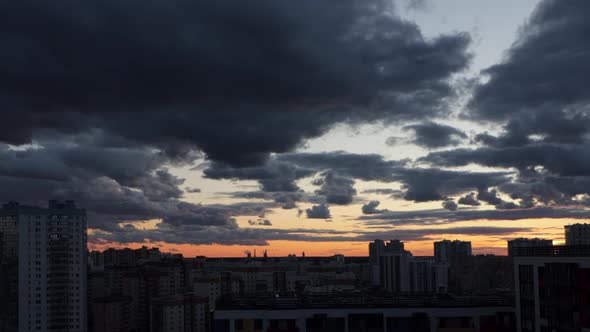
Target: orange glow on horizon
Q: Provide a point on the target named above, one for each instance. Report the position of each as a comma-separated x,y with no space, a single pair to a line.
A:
284,248
481,244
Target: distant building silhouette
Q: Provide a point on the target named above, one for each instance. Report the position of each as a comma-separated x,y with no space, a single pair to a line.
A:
180,313
577,234
447,251
525,243
396,270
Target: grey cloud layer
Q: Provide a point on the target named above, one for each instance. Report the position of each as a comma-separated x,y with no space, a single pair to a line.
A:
441,217
434,135
261,236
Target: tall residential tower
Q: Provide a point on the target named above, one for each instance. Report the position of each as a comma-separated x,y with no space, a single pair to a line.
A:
52,266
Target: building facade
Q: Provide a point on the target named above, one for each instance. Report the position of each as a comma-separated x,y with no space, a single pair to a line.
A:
180,313
449,252
52,267
396,270
526,243
8,232
364,313
552,288
577,234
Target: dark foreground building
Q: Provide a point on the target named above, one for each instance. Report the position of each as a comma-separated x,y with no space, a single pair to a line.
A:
359,312
552,288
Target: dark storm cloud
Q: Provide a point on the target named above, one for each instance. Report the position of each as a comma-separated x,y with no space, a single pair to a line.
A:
489,196
440,217
260,222
550,174
337,189
337,170
367,167
434,135
210,75
539,97
321,211
549,190
560,159
393,193
469,199
540,88
431,184
261,236
274,176
341,168
450,205
546,67
287,200
113,183
371,208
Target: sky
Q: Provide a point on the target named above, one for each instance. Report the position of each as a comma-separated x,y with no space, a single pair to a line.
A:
217,128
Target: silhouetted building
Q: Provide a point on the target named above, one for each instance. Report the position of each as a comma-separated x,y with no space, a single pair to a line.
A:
577,234
9,232
481,273
377,250
119,295
552,288
8,296
52,267
524,242
428,276
180,313
361,312
395,268
447,251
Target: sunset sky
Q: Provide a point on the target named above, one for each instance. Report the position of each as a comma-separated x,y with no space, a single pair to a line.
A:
219,127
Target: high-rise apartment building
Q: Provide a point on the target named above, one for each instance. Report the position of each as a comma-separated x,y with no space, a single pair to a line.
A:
52,266
395,269
577,234
447,251
8,233
378,249
513,245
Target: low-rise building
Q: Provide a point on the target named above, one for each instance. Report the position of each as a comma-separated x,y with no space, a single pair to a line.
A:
180,313
362,312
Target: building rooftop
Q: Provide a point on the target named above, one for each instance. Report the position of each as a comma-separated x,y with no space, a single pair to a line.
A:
360,300
53,208
553,251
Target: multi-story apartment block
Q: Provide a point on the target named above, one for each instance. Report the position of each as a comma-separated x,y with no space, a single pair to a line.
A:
447,251
52,266
513,245
361,312
552,288
180,313
577,234
399,271
8,232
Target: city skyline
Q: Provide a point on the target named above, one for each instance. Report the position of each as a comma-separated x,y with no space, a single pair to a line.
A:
210,129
